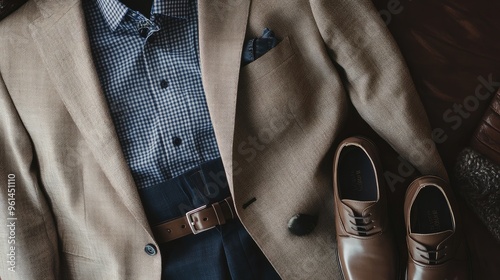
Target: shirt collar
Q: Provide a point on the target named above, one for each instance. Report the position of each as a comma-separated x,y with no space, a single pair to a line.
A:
114,11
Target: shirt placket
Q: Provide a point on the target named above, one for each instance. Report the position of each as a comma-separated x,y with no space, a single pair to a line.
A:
176,128
186,59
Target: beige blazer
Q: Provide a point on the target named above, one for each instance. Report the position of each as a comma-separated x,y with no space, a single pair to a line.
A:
78,213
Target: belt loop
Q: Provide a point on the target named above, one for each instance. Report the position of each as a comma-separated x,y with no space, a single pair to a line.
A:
229,201
218,213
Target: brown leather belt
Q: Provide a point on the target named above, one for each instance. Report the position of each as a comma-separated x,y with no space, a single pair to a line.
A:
196,221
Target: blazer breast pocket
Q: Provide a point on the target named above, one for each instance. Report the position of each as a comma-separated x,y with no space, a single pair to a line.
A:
269,62
273,87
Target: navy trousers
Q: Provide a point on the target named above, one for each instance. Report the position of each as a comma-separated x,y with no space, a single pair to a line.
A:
224,252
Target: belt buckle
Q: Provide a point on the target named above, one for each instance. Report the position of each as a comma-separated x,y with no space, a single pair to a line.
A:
191,222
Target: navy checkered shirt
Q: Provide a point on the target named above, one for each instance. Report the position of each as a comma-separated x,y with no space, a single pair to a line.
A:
150,73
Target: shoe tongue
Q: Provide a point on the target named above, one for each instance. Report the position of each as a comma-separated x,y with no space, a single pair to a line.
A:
358,206
431,239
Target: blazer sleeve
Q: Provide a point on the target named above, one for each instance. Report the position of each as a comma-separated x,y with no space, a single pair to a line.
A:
28,244
377,79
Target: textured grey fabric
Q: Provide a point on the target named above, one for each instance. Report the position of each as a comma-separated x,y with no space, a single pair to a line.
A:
479,184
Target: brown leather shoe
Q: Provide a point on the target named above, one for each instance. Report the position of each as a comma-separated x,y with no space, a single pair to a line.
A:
434,237
366,245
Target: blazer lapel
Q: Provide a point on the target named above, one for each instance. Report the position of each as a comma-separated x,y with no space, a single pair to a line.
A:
222,25
63,44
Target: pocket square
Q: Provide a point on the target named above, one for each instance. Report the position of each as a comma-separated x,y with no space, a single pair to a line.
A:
257,47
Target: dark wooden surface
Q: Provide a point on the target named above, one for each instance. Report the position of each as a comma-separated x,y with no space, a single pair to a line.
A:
449,45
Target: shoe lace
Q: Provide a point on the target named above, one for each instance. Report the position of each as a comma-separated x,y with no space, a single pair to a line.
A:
433,256
362,223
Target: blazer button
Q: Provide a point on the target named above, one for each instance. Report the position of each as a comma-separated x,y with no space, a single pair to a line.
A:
150,249
302,224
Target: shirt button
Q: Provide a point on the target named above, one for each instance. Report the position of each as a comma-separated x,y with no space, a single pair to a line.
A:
302,224
177,141
164,83
150,249
144,32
